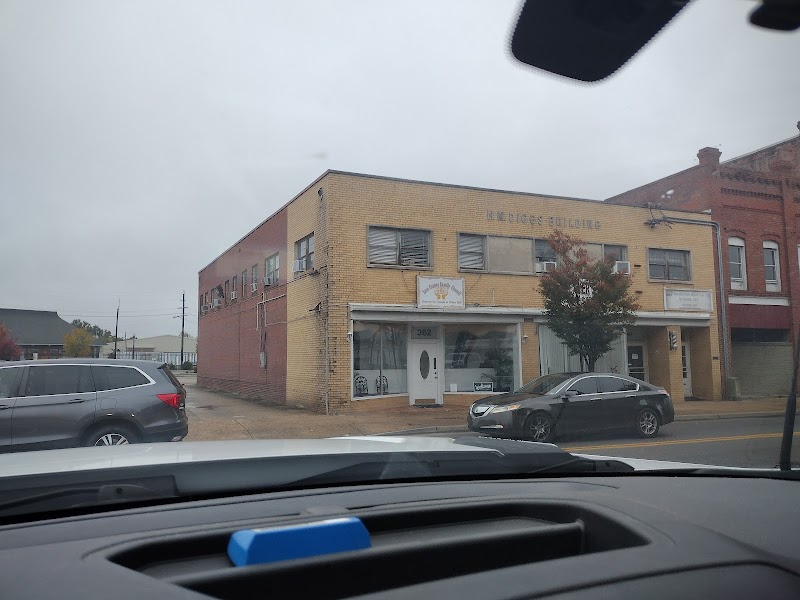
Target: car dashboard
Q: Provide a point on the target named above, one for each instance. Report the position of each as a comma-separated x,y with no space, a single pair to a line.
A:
629,536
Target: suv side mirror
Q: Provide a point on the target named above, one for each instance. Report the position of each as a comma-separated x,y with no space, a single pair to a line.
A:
569,394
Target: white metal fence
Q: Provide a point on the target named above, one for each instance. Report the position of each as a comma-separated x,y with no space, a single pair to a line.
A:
167,357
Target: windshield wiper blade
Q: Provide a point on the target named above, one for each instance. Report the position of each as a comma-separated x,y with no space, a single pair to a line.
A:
531,458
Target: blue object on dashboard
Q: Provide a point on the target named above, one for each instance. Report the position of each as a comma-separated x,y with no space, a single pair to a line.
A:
259,546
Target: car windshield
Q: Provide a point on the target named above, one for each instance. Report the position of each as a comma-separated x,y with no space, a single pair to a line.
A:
544,384
232,223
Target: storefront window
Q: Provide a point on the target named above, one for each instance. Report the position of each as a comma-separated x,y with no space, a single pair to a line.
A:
480,354
379,359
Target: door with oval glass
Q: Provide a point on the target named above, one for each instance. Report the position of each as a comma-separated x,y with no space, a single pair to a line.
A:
424,364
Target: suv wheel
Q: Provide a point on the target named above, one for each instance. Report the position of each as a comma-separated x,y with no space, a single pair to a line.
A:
111,435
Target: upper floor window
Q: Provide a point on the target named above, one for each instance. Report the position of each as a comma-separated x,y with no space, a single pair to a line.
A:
254,279
272,270
499,254
672,265
772,271
471,251
738,267
613,252
304,254
234,287
227,290
543,252
400,247
244,284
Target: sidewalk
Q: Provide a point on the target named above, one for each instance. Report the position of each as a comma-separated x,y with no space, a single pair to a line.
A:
221,416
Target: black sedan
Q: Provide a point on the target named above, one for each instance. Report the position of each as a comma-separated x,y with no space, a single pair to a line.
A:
573,402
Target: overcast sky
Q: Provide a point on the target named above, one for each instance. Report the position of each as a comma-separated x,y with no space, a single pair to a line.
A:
140,139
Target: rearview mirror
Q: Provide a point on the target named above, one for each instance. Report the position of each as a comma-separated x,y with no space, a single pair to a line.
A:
587,40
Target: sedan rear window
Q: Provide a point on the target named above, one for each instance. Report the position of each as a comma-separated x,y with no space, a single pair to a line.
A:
114,378
616,384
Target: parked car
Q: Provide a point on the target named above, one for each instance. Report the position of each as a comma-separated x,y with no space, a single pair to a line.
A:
60,403
561,403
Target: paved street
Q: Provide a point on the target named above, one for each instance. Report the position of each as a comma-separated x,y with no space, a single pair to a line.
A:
711,439
743,442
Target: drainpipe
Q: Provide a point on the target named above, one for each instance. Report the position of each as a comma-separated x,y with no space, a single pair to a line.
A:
723,306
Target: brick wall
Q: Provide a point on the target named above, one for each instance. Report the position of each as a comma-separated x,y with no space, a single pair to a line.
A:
358,201
231,338
754,197
306,309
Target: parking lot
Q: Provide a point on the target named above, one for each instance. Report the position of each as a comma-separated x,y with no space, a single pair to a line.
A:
221,416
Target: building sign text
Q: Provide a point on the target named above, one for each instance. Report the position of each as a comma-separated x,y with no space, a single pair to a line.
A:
440,292
542,220
701,300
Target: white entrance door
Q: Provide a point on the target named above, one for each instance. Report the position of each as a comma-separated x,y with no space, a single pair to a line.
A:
686,364
424,364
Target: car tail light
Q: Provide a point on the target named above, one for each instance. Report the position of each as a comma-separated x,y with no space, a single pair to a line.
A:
174,400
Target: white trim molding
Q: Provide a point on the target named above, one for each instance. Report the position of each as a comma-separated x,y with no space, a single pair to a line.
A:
758,300
502,314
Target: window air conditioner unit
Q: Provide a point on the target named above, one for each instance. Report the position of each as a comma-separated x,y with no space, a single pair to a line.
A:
217,303
233,295
254,286
622,266
205,308
299,266
548,266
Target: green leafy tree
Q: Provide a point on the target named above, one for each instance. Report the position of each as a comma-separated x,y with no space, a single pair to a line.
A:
104,335
587,305
8,347
78,343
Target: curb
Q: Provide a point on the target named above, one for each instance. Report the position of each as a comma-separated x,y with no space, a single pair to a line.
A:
702,417
435,429
742,415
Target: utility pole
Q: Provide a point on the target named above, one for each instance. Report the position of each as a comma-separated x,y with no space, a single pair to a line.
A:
116,331
183,320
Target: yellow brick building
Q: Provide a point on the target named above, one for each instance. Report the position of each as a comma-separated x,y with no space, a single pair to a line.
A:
403,292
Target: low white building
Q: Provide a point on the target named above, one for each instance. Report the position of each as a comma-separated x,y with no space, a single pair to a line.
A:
166,348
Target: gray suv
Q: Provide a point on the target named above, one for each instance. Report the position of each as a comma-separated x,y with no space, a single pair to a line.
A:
89,402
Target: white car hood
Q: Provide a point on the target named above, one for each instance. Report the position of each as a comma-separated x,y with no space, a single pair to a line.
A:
78,459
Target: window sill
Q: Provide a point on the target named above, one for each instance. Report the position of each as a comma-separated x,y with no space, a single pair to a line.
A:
399,267
673,281
378,397
515,273
471,393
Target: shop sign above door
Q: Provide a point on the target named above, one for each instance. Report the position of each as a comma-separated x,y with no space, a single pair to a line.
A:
688,300
440,292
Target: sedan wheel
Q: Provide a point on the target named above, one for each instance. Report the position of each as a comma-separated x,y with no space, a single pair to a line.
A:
647,424
539,428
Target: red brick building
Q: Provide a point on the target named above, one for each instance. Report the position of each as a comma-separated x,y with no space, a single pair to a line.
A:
756,200
232,343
